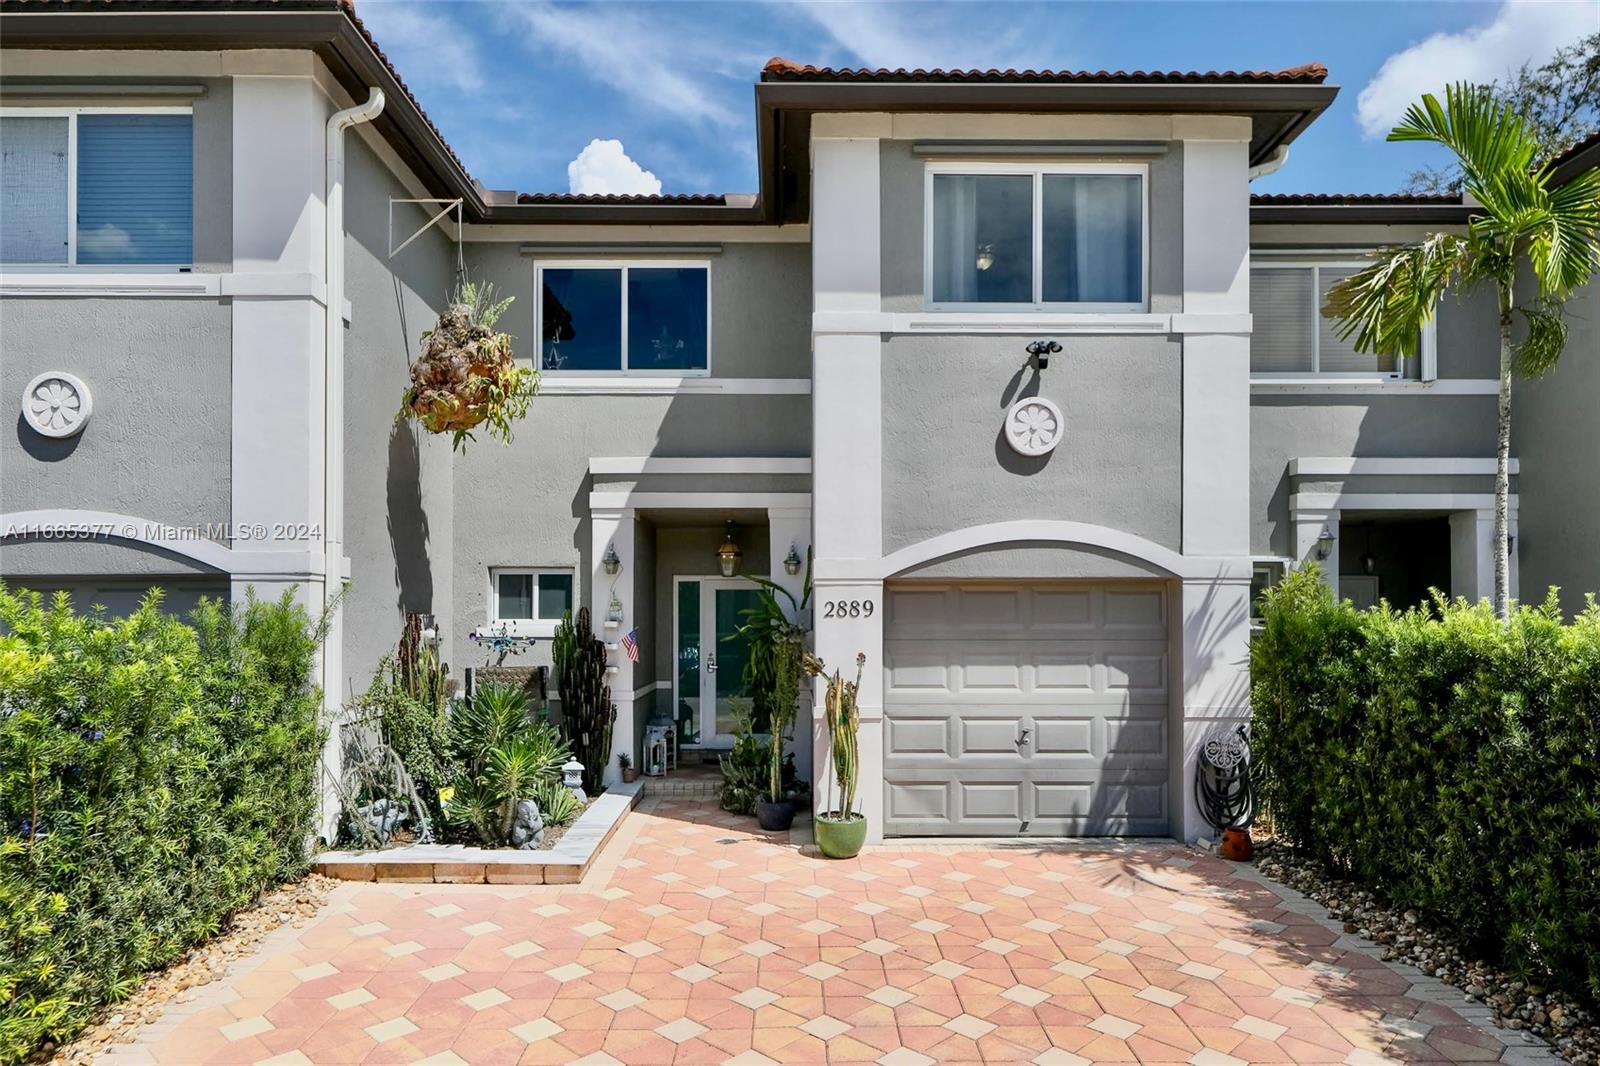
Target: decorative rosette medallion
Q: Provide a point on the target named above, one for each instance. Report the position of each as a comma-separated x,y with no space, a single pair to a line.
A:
1033,426
56,404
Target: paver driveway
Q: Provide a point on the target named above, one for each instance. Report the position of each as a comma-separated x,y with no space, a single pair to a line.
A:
699,941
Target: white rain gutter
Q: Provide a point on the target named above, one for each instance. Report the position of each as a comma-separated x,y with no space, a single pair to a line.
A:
1270,165
333,370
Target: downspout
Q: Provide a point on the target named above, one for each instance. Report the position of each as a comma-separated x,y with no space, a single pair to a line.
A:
333,387
1270,165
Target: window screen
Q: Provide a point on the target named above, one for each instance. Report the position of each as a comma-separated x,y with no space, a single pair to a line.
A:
1281,305
33,190
135,189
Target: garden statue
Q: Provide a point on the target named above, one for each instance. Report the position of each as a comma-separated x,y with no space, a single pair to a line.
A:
527,826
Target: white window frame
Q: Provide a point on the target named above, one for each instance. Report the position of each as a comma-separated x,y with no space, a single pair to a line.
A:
528,627
71,115
624,265
1427,348
1038,171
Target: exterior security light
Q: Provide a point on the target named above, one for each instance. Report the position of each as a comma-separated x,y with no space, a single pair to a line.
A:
728,555
610,561
791,562
1324,543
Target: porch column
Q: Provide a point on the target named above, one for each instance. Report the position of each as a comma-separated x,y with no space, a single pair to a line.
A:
790,527
614,529
847,447
1308,527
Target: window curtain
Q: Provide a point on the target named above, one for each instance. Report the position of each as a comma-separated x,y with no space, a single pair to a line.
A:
33,190
955,238
1093,240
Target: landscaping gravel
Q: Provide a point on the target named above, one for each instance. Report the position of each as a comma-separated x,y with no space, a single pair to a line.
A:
295,904
1556,1018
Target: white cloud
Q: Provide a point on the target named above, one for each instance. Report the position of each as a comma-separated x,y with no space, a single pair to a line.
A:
108,239
603,167
1523,31
660,64
912,35
428,48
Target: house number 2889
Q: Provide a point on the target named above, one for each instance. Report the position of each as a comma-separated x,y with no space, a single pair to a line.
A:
847,608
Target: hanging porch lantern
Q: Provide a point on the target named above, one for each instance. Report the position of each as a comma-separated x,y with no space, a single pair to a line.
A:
729,554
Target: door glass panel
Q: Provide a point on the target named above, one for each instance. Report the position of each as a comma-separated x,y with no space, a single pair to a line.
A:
732,694
687,713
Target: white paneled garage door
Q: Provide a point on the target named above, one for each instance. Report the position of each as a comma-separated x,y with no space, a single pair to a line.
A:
1026,708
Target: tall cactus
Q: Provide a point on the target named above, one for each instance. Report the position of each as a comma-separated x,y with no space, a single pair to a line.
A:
587,713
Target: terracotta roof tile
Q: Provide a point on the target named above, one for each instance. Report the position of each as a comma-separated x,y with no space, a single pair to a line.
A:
780,69
703,199
1347,199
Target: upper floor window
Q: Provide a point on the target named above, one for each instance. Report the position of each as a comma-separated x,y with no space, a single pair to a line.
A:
1050,236
96,187
1292,338
641,318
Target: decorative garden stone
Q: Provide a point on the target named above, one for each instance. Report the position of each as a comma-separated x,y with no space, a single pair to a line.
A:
383,816
527,826
572,778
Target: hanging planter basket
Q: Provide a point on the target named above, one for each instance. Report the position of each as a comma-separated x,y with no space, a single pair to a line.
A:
468,376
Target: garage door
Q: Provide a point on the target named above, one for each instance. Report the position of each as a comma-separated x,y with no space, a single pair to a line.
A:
1026,709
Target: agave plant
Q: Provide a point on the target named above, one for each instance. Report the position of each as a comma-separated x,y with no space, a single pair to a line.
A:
505,758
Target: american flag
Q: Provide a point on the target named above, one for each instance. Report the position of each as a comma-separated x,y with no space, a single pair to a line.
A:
630,643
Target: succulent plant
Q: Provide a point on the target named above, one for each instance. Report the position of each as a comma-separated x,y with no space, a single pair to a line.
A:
587,712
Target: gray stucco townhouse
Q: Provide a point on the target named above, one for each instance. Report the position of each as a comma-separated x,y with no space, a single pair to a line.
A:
1048,567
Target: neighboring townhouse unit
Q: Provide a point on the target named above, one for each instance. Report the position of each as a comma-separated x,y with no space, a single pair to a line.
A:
1013,358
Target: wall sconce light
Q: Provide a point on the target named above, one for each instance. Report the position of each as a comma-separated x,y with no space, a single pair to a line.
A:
791,562
1324,543
1369,564
728,555
610,561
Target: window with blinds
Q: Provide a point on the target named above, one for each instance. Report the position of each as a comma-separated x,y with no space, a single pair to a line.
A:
1292,337
96,188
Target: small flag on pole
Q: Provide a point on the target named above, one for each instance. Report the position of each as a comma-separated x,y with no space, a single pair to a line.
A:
630,644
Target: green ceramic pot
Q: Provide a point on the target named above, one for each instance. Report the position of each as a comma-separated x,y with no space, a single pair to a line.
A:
840,839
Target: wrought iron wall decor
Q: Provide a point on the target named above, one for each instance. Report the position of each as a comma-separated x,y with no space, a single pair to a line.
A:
1222,785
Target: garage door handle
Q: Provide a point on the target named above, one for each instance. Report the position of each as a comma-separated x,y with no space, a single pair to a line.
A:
1024,738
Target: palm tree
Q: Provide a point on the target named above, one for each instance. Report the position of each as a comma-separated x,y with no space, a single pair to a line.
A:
1523,225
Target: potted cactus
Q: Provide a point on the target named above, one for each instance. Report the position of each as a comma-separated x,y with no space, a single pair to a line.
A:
842,831
467,376
625,762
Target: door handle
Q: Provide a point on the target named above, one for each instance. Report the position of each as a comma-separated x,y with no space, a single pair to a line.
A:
711,663
1023,740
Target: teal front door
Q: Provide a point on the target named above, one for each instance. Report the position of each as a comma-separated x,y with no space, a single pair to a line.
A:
710,689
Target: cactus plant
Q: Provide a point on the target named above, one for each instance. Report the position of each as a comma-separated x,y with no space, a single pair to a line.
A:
841,832
587,713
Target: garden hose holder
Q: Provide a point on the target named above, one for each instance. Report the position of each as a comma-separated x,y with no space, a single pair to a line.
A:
1222,785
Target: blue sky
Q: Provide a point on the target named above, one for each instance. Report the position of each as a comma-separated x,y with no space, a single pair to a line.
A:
521,88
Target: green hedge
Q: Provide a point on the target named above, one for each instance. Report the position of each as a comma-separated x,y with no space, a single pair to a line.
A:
1445,759
155,777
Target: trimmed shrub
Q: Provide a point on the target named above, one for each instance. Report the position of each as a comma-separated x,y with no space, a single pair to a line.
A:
1445,759
155,777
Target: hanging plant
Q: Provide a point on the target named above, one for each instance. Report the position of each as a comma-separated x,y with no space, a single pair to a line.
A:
467,376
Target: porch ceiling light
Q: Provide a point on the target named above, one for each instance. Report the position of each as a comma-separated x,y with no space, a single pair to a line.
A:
610,561
728,555
791,562
1324,543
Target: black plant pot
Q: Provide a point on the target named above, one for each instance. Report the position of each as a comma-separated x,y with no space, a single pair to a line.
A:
775,817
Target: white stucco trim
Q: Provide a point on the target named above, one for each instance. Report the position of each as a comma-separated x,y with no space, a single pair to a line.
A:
600,502
623,385
67,523
649,464
1025,322
1306,502
1344,466
1189,567
1336,386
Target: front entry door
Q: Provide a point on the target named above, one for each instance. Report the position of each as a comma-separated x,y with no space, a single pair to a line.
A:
709,682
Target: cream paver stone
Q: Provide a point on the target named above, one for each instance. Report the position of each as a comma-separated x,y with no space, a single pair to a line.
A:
393,1029
535,1031
1117,947
1300,997
1080,907
1260,1027
1236,947
1149,925
763,909
757,997
816,927
879,946
766,877
599,1058
1042,925
825,1027
1059,1057
947,969
443,910
315,970
968,1026
480,928
1018,891
443,972
863,876
890,996
930,925
821,971
680,1030
1074,969
590,930
353,998
521,949
671,877
368,929
409,947
656,910
750,1058
1264,925
760,948
570,972
1323,969
1111,1025
640,948
974,906
715,892
1213,1057
694,973
550,910
1166,997
245,1027
960,877
998,946
288,1058
489,997
1202,970
621,999
1025,995
867,906
904,1056
708,928
816,891
1189,906
443,1058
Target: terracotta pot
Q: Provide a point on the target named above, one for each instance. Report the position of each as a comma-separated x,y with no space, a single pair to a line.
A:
629,774
1236,845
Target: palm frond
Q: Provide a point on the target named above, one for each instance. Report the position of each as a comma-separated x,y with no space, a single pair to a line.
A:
1384,306
1547,336
1565,249
1486,134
